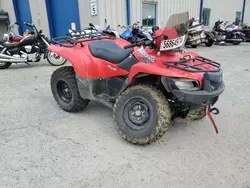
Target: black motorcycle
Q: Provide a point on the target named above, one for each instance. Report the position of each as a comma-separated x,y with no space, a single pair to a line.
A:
226,32
29,49
246,31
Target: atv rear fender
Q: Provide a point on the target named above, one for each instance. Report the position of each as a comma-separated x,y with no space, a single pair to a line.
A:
70,55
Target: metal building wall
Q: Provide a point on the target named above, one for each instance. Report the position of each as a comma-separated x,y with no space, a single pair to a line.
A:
247,13
165,8
85,15
169,7
39,15
114,11
225,9
7,6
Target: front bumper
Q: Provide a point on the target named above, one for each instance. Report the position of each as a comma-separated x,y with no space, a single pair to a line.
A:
198,97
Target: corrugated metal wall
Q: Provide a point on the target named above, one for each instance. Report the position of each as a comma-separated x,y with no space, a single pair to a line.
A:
114,11
85,15
165,8
168,7
223,9
7,6
247,13
39,12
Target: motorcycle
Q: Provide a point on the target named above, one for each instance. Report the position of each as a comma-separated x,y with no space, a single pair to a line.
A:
28,49
197,34
246,31
227,33
148,84
135,31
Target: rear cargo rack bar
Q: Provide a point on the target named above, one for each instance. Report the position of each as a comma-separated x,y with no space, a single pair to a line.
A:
71,41
182,64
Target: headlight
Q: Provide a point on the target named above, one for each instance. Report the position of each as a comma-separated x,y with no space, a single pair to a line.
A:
6,37
184,84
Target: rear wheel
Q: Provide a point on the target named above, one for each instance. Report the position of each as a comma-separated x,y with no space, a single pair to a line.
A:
209,42
142,114
65,90
236,42
5,65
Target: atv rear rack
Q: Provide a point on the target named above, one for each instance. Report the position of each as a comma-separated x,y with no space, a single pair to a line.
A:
196,68
71,41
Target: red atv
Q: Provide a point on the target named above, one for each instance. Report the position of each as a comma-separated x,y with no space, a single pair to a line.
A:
147,84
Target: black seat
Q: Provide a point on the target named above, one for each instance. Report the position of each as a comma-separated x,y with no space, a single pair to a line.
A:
109,51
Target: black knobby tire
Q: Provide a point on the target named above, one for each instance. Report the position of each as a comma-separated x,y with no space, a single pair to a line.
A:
194,46
5,65
158,121
209,43
75,102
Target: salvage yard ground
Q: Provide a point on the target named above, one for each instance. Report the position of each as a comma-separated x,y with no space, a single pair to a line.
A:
43,146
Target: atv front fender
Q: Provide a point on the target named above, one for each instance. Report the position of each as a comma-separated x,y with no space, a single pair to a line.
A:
158,68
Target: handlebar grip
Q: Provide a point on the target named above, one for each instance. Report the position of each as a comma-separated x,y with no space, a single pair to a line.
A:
129,46
28,24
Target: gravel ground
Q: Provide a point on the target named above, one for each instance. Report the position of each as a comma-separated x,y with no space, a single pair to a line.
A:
43,146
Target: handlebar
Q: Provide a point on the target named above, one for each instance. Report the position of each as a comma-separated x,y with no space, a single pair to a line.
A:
28,24
143,41
130,46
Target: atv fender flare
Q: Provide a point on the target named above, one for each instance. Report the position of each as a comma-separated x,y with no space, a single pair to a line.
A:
69,54
152,69
127,82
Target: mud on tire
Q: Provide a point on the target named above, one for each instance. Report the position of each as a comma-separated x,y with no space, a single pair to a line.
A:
158,110
65,90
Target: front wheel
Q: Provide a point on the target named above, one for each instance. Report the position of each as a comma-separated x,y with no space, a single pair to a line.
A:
5,65
209,42
142,114
54,59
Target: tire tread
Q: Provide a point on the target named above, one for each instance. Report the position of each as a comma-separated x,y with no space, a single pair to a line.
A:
67,73
164,115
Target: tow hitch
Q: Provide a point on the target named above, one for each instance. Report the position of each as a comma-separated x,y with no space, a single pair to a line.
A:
214,111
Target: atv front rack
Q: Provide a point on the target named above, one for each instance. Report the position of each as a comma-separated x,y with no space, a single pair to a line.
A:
183,64
71,41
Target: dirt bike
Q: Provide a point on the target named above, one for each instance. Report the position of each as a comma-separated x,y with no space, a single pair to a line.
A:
197,35
28,49
148,84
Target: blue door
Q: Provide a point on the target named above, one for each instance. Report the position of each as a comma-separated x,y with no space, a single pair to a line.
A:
23,14
61,13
